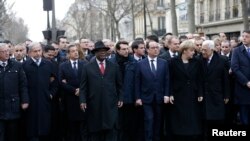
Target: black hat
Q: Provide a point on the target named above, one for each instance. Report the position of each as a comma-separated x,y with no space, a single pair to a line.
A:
99,45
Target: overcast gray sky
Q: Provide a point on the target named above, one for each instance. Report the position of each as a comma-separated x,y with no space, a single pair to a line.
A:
34,16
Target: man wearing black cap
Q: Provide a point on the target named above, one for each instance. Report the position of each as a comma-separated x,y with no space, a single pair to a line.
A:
100,95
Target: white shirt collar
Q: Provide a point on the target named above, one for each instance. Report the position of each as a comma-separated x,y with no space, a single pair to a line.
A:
155,59
246,47
137,58
39,60
210,58
98,62
172,53
1,63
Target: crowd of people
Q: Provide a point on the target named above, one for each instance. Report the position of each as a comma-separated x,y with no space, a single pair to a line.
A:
168,89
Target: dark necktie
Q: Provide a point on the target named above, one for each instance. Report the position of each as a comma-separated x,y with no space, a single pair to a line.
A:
37,62
248,51
4,65
102,69
208,62
153,67
75,68
174,55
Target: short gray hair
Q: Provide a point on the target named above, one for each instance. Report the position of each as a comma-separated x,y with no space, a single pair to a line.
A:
3,44
33,44
209,43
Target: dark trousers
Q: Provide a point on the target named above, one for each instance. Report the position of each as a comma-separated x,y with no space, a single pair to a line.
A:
131,123
9,130
77,131
212,124
187,138
152,121
40,138
166,134
245,114
104,135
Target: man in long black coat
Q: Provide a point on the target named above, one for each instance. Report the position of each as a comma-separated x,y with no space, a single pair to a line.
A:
100,95
42,86
13,95
216,85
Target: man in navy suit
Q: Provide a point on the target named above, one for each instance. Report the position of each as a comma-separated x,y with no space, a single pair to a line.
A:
69,78
152,89
240,65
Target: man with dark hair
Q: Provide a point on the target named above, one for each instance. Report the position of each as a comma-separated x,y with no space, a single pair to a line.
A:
69,78
151,90
152,38
48,52
138,48
127,114
240,65
62,43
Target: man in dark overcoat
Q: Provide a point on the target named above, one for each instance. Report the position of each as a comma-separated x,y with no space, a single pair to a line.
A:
69,78
13,95
240,65
216,85
100,95
42,87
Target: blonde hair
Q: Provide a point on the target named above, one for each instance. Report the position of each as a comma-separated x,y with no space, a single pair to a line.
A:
188,44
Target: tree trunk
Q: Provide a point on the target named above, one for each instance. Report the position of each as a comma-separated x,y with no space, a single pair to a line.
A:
117,30
150,20
191,17
133,18
173,18
245,14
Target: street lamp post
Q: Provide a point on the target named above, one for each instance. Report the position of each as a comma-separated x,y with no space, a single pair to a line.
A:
54,31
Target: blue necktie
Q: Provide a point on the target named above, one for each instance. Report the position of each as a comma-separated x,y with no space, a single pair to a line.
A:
248,51
75,68
4,65
37,62
153,67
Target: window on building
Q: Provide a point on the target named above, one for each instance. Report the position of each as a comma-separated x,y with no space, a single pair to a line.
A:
248,7
161,25
227,11
211,10
159,2
201,12
235,8
161,22
217,12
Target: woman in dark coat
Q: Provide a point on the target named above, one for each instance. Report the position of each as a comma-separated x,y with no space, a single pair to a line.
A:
186,95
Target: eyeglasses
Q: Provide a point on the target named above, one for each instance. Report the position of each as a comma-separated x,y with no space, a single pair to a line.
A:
224,46
198,44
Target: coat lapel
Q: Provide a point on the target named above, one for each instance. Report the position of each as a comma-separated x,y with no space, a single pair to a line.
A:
70,67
